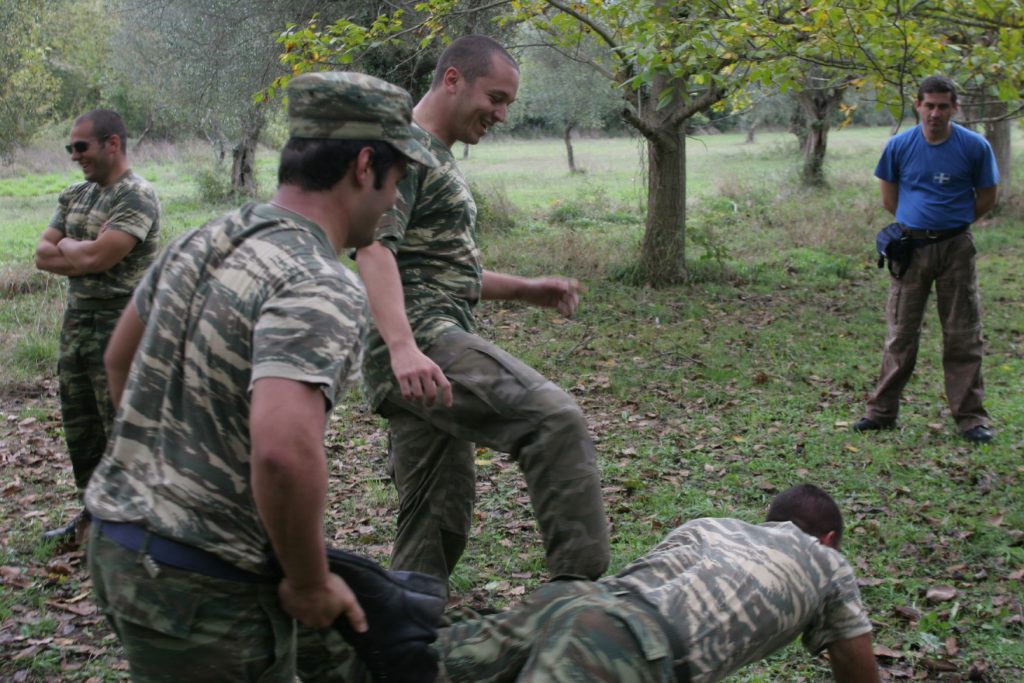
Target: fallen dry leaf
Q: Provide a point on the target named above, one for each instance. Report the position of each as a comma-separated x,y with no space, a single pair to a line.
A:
940,594
883,651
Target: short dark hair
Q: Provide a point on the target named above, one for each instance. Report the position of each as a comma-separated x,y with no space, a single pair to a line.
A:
937,84
809,508
317,164
106,122
472,56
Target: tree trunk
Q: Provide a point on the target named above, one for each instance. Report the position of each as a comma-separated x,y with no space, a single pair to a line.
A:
816,107
662,256
568,147
998,135
243,156
751,130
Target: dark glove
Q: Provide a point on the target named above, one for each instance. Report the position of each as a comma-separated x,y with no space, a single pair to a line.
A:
402,609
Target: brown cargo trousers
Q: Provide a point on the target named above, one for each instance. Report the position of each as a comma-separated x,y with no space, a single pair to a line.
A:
948,264
501,403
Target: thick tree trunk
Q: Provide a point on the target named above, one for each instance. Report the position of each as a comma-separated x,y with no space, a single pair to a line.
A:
751,130
817,106
998,135
243,157
568,147
662,256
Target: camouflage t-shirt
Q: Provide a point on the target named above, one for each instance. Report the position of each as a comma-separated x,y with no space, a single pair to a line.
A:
256,293
737,592
129,205
432,232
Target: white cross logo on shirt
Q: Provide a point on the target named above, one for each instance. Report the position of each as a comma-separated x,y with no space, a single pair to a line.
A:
940,178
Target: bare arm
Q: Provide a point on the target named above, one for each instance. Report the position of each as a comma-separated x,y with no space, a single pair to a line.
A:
984,200
853,660
550,292
890,196
117,359
98,255
289,484
419,378
49,257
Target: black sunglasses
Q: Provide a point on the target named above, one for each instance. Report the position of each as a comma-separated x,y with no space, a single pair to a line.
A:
82,146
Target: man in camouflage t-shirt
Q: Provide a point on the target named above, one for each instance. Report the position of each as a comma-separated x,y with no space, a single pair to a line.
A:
235,347
715,595
444,389
103,237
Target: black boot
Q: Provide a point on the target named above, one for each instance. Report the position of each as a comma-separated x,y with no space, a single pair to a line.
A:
73,534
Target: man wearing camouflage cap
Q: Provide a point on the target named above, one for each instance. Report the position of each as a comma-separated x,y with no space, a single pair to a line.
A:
443,388
104,235
235,347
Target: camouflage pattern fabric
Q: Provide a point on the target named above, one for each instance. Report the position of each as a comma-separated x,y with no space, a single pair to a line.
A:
740,591
432,232
223,630
129,205
256,293
342,105
566,631
86,411
503,404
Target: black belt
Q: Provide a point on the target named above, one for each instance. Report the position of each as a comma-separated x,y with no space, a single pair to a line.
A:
174,554
935,235
116,304
680,651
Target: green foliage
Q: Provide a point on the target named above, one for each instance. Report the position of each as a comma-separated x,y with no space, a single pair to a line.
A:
495,212
213,185
25,80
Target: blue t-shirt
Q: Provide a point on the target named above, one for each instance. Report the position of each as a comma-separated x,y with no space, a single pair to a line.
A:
937,182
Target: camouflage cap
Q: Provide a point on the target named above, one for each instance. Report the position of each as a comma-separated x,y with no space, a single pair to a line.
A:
343,105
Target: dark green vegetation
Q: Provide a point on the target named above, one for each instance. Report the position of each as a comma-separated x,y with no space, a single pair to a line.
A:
705,399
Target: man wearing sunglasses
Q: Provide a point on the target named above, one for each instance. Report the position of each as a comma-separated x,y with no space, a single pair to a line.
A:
103,236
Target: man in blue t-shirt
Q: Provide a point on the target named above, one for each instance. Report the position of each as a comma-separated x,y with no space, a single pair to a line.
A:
937,178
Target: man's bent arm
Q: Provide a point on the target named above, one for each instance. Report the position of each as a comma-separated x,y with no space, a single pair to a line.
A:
289,485
853,660
98,255
117,359
419,378
890,196
49,257
550,292
984,200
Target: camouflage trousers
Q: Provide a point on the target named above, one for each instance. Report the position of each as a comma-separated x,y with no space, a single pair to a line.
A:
85,407
500,403
566,631
183,626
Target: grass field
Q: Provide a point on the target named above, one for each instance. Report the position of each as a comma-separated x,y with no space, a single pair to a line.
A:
704,399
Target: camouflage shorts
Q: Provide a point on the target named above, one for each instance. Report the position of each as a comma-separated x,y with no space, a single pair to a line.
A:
182,626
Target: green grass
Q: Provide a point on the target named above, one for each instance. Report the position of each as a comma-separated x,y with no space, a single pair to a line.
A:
703,399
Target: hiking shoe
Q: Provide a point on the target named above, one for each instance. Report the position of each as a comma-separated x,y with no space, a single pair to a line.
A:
979,434
74,533
866,424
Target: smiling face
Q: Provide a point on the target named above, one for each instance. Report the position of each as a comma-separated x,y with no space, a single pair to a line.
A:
936,110
484,102
96,159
